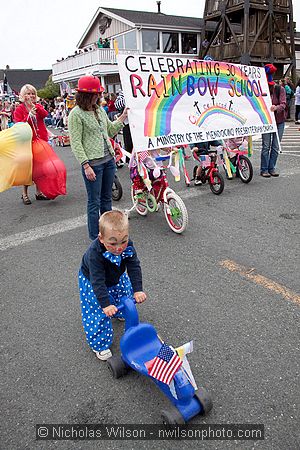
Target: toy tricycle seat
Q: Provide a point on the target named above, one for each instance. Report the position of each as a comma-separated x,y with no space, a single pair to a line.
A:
138,345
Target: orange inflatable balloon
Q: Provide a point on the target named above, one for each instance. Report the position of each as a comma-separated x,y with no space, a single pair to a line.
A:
15,156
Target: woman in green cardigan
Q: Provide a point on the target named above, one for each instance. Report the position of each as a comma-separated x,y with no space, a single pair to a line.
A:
90,129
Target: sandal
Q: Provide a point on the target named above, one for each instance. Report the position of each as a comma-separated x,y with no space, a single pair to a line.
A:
26,200
41,197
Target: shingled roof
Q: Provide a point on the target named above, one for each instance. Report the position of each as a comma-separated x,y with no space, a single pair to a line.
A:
156,19
149,20
16,78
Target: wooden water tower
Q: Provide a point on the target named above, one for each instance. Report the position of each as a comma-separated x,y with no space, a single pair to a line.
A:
250,32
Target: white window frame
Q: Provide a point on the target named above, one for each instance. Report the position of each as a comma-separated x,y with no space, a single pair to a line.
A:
121,35
140,41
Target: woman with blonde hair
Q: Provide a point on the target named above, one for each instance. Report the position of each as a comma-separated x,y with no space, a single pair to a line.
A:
34,114
6,116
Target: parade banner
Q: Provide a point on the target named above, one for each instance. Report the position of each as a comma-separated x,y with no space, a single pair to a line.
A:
176,100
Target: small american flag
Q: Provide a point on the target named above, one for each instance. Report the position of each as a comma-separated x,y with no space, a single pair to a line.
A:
164,366
143,155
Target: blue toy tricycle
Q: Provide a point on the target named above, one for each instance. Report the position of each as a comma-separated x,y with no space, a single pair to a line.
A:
139,344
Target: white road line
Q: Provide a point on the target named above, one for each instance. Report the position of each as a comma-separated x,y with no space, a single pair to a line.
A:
70,224
41,232
289,153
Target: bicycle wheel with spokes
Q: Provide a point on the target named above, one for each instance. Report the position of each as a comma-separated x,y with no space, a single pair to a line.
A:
176,213
245,169
139,203
217,186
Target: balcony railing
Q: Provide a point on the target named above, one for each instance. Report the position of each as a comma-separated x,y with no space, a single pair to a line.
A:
230,50
84,61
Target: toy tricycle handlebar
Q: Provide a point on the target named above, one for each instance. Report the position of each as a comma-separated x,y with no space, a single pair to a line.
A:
122,305
129,310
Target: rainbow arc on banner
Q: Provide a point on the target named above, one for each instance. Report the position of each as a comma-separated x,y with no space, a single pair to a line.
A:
158,112
219,110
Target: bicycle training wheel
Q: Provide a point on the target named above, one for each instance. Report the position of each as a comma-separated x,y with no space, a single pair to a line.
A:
117,190
217,186
175,213
140,204
245,169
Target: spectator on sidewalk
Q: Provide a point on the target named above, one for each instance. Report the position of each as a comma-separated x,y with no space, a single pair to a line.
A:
289,95
111,106
297,103
6,116
270,144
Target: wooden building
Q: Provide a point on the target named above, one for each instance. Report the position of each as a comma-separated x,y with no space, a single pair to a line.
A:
252,32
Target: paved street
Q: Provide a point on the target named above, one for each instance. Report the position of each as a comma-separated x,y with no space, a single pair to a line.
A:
230,283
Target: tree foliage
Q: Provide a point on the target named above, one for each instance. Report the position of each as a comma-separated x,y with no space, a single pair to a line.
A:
50,90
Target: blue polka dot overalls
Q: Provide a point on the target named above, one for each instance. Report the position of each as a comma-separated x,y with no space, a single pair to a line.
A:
97,326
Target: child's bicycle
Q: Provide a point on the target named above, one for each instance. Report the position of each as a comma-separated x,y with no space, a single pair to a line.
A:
240,164
145,200
209,170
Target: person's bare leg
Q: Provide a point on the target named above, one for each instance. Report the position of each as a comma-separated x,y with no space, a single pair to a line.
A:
199,171
25,190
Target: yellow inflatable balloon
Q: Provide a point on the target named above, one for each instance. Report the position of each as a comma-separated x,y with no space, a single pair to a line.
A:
15,156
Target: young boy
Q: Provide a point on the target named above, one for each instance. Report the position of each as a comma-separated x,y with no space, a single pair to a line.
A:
103,280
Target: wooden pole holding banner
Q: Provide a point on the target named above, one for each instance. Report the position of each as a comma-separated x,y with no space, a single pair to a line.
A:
279,143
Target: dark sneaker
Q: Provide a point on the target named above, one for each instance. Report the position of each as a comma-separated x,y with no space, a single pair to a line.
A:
265,175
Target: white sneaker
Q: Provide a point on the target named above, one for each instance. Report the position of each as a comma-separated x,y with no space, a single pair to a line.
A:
197,182
104,355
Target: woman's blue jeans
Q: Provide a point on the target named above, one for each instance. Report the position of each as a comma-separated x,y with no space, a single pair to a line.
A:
270,149
99,194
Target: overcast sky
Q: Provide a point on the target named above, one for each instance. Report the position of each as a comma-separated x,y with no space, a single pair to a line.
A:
35,33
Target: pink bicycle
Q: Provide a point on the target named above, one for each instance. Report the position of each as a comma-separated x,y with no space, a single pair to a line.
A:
240,164
158,193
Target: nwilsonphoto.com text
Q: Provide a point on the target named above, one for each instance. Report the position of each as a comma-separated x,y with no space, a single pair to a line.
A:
57,432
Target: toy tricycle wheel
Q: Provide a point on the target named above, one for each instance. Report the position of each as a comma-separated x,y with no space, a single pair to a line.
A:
205,400
117,190
117,367
172,417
